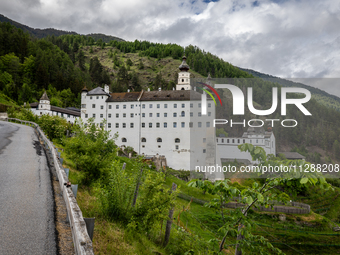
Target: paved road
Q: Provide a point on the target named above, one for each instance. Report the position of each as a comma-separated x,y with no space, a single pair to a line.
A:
26,198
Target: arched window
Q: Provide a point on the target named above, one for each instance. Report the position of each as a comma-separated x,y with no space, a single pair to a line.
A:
177,140
159,140
124,140
182,88
143,140
182,114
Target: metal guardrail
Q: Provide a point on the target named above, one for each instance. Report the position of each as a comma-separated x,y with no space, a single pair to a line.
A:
81,240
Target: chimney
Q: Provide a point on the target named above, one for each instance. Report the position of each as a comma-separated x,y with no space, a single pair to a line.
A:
106,89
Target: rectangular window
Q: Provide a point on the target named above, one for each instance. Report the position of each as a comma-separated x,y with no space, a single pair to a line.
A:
244,141
110,106
191,105
204,140
143,125
191,124
175,114
199,114
208,124
97,97
227,140
175,105
150,114
94,115
150,125
165,115
158,114
204,150
199,124
124,115
124,106
165,125
117,115
101,125
117,125
150,105
131,115
191,114
183,124
83,106
199,105
209,105
143,114
102,107
109,115
90,97
165,105
109,125
101,115
143,106
124,125
175,124
117,106
158,125
233,140
238,140
209,113
183,105
131,125
132,106
223,140
93,106
177,147
158,106
86,115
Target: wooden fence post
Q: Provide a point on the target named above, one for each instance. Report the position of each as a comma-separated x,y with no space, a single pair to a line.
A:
169,221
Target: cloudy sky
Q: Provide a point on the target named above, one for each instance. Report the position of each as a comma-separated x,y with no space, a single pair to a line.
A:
285,38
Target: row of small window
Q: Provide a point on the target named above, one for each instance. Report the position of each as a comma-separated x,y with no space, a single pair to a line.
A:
150,115
159,140
97,97
158,125
61,114
238,140
144,106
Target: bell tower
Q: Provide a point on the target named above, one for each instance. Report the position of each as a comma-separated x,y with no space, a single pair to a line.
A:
44,103
183,76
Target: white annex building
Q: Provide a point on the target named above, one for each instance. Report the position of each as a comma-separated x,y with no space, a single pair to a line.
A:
228,150
44,107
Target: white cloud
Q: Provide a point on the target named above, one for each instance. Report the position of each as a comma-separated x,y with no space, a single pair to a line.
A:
290,39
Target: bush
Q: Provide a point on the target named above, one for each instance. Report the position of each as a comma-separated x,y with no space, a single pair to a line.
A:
91,150
153,201
54,126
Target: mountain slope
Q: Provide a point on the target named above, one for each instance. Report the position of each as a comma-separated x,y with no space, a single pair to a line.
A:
321,96
42,33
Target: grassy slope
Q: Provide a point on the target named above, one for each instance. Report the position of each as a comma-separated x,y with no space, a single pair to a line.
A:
6,100
167,66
